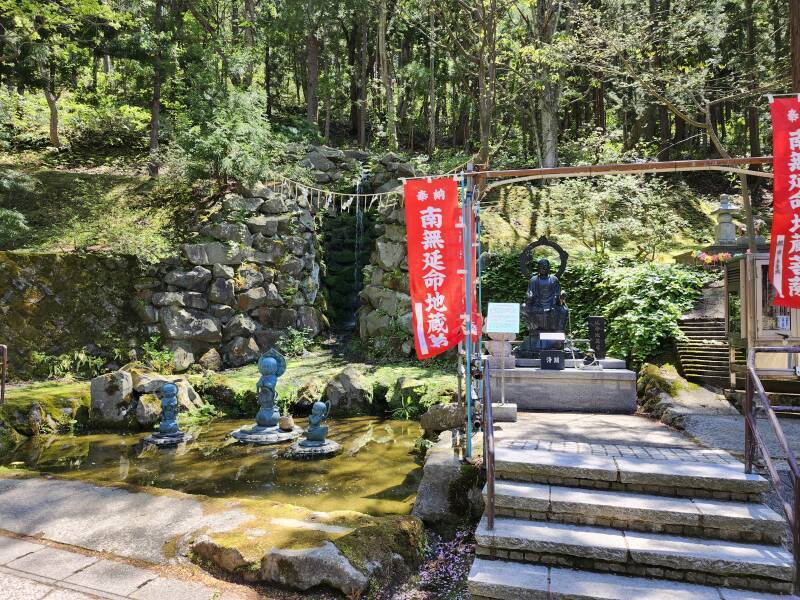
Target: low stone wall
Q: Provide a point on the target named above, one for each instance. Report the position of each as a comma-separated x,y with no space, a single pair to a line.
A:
226,299
56,303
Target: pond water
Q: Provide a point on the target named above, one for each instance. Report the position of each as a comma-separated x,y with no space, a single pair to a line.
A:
376,473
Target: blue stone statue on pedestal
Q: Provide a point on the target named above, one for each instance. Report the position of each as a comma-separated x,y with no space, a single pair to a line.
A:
271,365
168,432
317,432
169,409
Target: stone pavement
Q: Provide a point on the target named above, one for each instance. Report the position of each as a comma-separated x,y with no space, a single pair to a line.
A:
33,571
134,525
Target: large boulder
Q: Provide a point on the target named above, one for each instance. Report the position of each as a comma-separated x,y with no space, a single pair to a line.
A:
248,277
222,292
443,417
239,325
227,231
111,396
450,492
349,393
211,360
241,350
196,279
183,324
217,253
148,410
234,203
185,299
388,255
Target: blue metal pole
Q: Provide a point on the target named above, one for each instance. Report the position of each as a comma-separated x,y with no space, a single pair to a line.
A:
466,214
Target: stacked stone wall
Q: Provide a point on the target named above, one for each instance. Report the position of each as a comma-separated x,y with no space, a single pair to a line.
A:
386,305
254,274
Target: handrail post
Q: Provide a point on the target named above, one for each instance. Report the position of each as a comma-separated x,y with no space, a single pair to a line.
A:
749,447
796,530
488,443
4,374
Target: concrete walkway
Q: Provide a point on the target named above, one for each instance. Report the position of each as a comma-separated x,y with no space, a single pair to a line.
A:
30,571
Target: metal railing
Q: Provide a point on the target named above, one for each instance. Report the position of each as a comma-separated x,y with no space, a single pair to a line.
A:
3,371
488,442
753,441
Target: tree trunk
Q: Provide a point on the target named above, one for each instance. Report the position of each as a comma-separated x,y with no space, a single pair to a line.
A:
391,126
249,40
600,106
52,104
155,104
47,76
312,64
268,75
431,84
362,89
794,40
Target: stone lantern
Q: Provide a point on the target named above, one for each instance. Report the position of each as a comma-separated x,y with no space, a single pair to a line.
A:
725,229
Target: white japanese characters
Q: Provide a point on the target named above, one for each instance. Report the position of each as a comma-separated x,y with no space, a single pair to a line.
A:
433,270
794,203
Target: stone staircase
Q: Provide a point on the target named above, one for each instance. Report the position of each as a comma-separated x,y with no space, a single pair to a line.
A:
703,355
635,522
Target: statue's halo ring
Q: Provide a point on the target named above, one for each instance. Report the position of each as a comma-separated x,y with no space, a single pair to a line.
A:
527,255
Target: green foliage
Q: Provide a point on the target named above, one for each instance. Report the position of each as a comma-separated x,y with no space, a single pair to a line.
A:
641,302
107,126
156,356
199,415
13,226
225,137
66,366
295,342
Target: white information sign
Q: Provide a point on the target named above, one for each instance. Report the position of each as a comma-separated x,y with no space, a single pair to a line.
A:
503,317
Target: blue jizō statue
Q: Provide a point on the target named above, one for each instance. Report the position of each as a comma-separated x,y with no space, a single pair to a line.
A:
270,367
169,409
317,432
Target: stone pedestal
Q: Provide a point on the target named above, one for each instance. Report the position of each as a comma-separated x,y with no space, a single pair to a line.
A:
570,363
570,390
304,451
264,436
167,440
504,413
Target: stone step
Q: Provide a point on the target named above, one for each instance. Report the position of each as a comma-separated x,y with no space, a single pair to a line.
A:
507,580
736,521
720,382
708,562
706,365
722,481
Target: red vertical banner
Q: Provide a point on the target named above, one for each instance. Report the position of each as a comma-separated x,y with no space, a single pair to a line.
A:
784,251
435,264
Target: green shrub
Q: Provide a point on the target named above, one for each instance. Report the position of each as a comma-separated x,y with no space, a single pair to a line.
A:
67,365
13,226
295,342
155,356
108,126
641,302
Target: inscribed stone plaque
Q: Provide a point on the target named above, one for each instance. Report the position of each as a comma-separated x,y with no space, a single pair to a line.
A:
597,335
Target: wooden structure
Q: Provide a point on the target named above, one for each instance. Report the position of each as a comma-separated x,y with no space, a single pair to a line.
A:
753,321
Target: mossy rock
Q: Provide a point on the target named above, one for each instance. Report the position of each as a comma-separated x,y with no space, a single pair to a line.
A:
9,438
381,540
226,396
654,380
464,493
46,408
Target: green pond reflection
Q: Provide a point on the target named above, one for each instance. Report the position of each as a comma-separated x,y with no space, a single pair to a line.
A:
376,473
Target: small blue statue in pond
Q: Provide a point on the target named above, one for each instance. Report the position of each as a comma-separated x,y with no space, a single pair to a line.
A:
271,365
169,409
317,432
